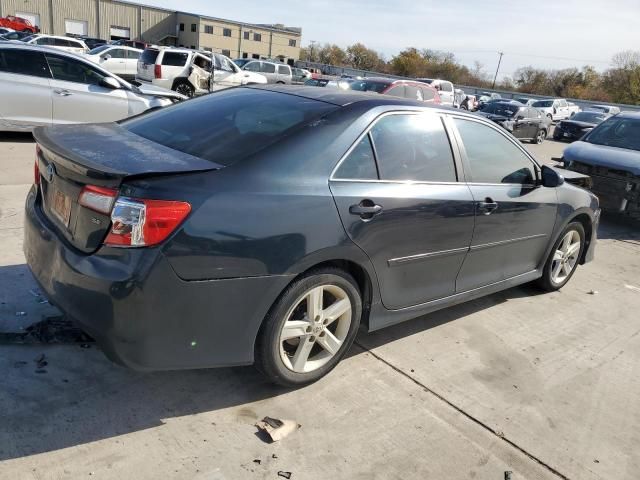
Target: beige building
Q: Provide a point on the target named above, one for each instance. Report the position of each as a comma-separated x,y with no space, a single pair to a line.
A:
116,19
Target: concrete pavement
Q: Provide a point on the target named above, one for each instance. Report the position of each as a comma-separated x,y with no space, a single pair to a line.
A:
544,385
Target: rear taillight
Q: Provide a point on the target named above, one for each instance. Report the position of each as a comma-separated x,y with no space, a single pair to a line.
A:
98,199
157,71
36,168
139,222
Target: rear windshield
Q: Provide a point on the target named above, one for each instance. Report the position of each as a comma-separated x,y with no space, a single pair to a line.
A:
228,126
149,56
617,132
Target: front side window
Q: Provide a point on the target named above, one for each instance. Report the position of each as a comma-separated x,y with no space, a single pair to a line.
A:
61,42
45,41
24,63
413,93
133,54
252,66
117,53
360,163
396,91
413,148
491,157
69,70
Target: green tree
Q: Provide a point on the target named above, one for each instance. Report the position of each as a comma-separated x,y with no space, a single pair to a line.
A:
364,58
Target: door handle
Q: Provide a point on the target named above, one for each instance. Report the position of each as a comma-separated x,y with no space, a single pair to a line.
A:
62,93
366,209
488,206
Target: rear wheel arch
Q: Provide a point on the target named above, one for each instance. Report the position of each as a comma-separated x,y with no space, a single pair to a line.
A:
587,224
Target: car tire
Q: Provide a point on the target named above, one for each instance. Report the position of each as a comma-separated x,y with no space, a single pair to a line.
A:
316,345
540,137
564,258
280,83
185,88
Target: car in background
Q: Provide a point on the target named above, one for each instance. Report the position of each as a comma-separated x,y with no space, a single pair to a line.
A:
130,43
15,36
577,126
300,75
611,110
525,123
274,72
486,97
196,245
554,108
525,100
123,61
172,68
413,90
445,89
573,109
91,42
4,30
42,86
610,155
60,43
241,62
18,24
470,103
317,82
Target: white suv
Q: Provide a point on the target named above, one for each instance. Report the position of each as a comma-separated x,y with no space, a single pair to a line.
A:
187,71
67,44
554,108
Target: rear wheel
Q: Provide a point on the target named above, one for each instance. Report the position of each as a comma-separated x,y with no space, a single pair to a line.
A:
541,137
183,87
564,258
310,328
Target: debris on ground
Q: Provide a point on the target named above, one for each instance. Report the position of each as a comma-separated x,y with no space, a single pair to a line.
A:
593,292
507,475
277,429
41,361
285,474
54,329
274,456
257,460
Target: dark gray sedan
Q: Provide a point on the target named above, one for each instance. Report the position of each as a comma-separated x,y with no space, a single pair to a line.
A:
266,225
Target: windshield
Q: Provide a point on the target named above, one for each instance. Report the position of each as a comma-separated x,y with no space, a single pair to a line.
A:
99,50
543,104
591,117
228,126
617,132
497,108
368,86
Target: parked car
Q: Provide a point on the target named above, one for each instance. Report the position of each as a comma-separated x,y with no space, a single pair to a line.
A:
241,62
123,61
156,251
525,123
43,86
577,126
611,110
172,68
130,43
16,35
317,82
610,155
18,24
60,43
573,109
4,30
486,97
554,109
444,88
91,42
300,75
525,100
413,90
469,103
274,72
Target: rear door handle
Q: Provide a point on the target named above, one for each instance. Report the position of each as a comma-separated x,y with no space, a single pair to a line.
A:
366,209
488,206
62,93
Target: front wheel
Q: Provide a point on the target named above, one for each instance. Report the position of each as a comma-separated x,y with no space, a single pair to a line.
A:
310,328
564,258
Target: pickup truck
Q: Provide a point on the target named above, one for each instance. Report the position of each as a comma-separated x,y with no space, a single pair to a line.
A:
554,108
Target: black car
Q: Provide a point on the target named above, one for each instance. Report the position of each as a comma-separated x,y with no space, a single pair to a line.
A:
525,123
610,155
577,126
265,225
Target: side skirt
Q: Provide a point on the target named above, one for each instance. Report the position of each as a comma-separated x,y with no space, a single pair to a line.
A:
381,317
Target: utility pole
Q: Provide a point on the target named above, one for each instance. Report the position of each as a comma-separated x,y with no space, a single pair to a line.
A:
497,70
312,44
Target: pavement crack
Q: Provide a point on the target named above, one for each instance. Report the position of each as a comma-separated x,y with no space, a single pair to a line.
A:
477,421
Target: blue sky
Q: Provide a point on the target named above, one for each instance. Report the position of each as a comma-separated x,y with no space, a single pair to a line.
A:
543,33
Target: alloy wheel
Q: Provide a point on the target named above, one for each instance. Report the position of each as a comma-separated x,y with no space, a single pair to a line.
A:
185,90
315,328
565,257
542,135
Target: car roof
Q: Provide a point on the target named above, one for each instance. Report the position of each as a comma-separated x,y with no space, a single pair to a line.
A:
16,44
632,115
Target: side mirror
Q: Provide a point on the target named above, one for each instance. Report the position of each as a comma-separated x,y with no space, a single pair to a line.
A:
106,56
551,178
110,83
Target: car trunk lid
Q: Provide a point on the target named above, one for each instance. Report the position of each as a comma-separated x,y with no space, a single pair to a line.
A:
103,155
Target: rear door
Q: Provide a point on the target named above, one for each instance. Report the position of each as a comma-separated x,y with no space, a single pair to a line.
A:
399,200
514,216
78,96
115,60
25,89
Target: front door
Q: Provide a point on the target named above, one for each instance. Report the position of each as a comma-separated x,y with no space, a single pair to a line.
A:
514,215
405,208
78,96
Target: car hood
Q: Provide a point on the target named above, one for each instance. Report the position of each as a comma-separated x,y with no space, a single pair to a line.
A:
603,156
253,77
578,124
156,91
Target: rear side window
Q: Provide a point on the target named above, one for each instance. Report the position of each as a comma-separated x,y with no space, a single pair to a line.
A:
360,163
228,126
428,94
396,91
24,63
149,56
414,148
491,157
175,59
252,66
60,42
283,70
268,68
413,93
117,53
